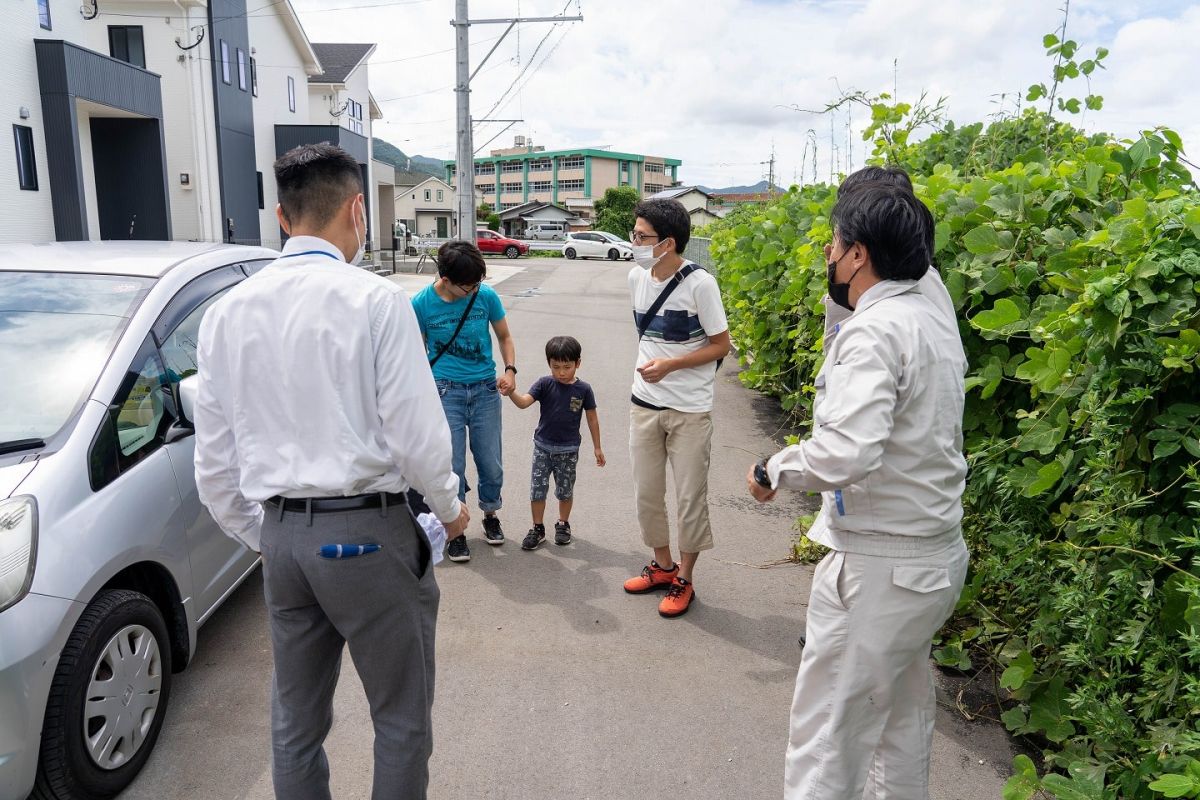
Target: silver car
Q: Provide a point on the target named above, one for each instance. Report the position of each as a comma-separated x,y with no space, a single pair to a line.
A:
108,562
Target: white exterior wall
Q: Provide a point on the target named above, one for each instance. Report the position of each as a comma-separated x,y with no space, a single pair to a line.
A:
89,175
27,216
278,57
188,119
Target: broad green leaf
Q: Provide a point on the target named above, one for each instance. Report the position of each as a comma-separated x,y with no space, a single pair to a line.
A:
1047,477
1024,783
1048,710
1003,314
1192,220
1014,719
1174,785
983,240
1073,788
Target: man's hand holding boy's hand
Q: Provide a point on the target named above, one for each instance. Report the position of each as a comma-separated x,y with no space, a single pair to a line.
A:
599,457
505,384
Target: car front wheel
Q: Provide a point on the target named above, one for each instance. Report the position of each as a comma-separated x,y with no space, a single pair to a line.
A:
511,251
569,253
107,699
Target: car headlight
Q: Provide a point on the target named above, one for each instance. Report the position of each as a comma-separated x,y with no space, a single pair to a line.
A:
18,548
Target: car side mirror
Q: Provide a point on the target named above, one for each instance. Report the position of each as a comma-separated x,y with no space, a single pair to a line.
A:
185,394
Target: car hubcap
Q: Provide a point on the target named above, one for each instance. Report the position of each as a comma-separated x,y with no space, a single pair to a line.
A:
122,697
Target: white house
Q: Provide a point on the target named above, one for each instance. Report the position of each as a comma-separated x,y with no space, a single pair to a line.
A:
157,119
430,204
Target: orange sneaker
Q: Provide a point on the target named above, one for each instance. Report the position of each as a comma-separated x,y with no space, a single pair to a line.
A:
653,577
678,600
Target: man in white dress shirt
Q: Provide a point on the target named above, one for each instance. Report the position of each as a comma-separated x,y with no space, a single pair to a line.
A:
316,411
886,454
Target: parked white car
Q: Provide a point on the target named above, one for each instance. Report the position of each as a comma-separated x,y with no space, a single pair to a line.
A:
597,244
545,230
108,561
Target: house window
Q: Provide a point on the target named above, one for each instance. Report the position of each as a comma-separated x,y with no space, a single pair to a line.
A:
655,169
570,186
510,188
26,166
427,195
485,169
291,94
262,200
439,195
44,13
125,43
241,62
571,162
225,61
512,166
488,188
539,186
253,76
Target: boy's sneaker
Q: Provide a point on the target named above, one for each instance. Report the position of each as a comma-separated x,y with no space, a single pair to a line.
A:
678,600
653,577
457,550
493,534
562,532
535,536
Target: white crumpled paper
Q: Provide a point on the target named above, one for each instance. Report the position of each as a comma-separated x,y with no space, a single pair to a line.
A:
436,534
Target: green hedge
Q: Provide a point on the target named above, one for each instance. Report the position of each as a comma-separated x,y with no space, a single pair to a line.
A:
1076,274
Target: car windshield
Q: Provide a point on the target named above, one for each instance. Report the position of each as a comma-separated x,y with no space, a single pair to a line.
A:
56,333
612,237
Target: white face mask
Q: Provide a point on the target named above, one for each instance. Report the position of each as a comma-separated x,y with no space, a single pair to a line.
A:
362,239
643,254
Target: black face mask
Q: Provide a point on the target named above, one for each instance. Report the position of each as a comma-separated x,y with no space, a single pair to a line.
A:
839,292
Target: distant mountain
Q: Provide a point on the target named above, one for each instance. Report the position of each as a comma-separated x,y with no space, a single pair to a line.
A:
388,153
761,186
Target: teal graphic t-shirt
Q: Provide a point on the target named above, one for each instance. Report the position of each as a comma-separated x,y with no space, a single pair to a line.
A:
469,357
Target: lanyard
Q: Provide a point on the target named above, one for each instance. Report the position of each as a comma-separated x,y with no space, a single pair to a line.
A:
311,253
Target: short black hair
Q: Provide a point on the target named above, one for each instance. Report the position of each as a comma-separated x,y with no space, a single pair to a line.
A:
563,348
669,219
314,180
461,262
887,221
893,176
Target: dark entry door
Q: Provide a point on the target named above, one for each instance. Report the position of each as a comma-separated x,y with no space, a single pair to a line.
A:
130,181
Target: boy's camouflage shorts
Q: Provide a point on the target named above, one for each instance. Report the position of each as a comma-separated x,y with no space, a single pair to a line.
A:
561,465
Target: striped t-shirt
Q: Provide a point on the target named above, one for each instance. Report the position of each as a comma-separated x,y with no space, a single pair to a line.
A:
683,325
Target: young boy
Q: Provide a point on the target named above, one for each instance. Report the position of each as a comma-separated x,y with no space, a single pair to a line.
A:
564,399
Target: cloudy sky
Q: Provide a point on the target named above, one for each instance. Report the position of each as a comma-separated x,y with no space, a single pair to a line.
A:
714,82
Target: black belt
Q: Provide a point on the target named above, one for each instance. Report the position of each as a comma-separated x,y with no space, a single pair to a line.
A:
326,505
637,401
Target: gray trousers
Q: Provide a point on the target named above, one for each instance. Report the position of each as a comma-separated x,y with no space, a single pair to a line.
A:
384,606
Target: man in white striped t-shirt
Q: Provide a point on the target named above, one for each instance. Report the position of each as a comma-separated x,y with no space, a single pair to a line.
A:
670,420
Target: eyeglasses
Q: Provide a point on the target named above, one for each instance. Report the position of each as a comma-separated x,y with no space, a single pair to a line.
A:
466,290
637,237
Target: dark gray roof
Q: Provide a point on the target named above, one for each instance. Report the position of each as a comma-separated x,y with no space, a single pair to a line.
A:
678,191
339,60
404,178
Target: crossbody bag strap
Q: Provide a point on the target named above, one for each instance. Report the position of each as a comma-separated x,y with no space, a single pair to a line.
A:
462,321
676,279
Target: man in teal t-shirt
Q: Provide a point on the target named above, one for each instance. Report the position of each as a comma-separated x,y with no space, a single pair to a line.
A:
465,373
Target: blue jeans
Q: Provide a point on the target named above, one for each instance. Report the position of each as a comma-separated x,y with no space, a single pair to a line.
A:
474,409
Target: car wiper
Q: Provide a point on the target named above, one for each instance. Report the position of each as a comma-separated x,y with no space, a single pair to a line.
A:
17,445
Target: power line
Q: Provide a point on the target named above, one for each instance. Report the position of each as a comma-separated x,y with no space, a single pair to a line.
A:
549,55
328,67
252,12
532,58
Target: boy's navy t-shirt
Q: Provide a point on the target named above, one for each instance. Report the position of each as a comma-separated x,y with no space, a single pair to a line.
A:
562,407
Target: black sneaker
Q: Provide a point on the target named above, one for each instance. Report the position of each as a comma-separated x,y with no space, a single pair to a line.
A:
562,532
493,534
457,550
535,536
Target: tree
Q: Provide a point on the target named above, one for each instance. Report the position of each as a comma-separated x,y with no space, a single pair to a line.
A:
614,211
487,216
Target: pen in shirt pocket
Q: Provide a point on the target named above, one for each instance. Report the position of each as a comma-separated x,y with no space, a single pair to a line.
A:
347,550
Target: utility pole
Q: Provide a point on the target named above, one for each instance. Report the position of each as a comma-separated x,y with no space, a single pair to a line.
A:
464,164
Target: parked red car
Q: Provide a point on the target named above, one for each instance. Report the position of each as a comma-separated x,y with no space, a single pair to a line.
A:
492,242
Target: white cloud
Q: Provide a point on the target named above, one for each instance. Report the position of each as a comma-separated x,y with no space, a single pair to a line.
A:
712,83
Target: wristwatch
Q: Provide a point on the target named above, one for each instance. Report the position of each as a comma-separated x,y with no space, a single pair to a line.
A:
760,475
510,367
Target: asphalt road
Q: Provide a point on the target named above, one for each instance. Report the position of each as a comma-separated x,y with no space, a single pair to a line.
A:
552,682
